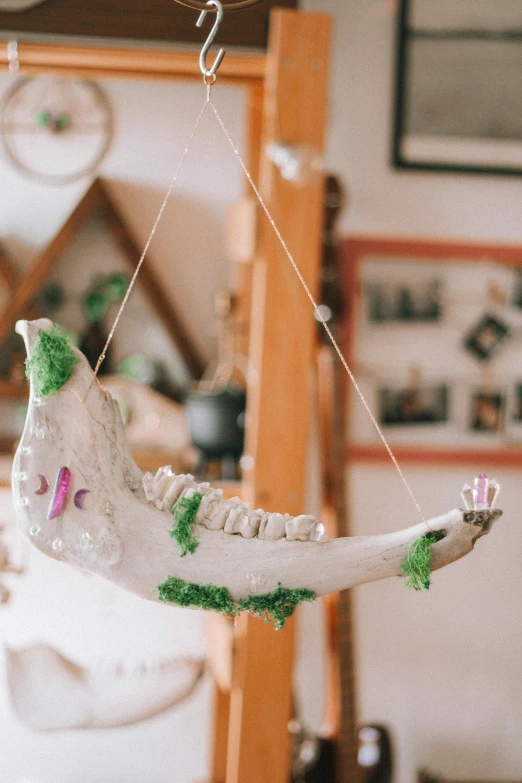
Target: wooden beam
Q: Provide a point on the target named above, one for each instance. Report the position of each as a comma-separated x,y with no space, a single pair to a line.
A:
127,62
282,350
8,271
33,280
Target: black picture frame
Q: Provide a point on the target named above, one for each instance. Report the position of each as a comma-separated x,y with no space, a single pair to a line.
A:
486,161
485,337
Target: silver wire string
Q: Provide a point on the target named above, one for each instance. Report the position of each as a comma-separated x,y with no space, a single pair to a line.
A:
318,314
149,240
317,311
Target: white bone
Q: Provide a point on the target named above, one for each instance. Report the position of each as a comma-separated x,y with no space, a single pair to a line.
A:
49,692
82,429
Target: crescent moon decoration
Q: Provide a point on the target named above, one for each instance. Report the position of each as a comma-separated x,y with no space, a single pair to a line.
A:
79,498
44,485
202,550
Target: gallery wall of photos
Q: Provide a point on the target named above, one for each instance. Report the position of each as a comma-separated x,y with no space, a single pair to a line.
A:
434,334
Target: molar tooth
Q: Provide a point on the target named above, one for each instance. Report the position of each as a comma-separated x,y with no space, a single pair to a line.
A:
236,510
208,507
299,528
272,526
220,514
250,521
317,533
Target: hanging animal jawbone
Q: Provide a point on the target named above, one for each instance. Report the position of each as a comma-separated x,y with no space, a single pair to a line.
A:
49,692
105,517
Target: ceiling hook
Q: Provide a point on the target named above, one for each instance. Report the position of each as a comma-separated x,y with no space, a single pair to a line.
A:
207,72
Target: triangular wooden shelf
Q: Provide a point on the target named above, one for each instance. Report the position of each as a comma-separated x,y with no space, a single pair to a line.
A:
97,199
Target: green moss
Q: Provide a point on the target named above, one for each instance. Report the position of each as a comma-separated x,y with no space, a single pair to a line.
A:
52,362
276,606
176,591
416,566
185,510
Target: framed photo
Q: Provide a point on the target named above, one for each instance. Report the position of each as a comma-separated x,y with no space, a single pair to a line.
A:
458,103
404,301
486,411
484,339
514,411
425,405
426,373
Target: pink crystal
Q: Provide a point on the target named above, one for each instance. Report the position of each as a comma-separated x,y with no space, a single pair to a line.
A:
61,488
481,490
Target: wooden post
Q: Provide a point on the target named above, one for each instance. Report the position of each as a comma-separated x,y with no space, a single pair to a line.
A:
282,329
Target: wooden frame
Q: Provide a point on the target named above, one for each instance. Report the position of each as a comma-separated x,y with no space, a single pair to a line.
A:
474,154
134,20
354,249
97,199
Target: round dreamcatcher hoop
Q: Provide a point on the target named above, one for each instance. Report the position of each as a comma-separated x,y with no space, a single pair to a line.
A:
56,130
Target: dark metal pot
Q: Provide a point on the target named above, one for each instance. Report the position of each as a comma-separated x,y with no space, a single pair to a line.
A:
216,422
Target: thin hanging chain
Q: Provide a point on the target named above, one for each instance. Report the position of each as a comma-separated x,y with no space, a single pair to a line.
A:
317,311
318,314
149,240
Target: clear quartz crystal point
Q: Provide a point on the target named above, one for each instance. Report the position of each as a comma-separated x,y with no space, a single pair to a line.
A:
253,582
467,497
34,530
86,541
481,491
493,490
57,545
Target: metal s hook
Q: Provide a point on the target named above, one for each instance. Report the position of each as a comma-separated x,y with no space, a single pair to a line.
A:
211,72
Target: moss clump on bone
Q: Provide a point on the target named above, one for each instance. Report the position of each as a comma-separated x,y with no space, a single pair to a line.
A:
51,363
276,606
184,511
416,566
176,591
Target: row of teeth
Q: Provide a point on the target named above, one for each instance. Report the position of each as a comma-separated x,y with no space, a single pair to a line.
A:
232,516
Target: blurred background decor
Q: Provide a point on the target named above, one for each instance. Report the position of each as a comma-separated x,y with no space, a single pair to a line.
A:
458,87
55,130
70,281
49,692
454,386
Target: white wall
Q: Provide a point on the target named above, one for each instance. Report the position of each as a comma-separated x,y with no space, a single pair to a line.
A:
442,669
383,201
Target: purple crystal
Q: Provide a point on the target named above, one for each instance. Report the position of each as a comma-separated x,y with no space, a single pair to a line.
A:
481,490
78,498
61,488
44,485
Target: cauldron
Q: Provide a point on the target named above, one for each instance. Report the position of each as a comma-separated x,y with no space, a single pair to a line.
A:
216,422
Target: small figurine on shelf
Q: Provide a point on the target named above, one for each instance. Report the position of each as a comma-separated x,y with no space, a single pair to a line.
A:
96,302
